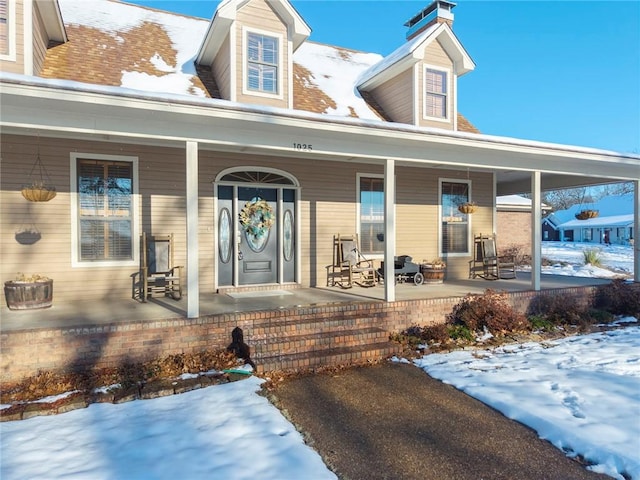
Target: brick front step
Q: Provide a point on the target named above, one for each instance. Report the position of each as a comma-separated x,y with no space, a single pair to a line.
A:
328,356
277,328
290,344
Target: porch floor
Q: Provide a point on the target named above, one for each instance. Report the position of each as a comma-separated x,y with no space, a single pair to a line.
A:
110,310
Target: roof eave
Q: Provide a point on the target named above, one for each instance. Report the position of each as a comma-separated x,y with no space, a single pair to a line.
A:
52,19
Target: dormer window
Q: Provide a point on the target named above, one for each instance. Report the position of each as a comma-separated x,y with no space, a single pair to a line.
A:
263,63
436,93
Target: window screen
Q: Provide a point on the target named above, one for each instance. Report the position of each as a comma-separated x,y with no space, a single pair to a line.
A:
4,27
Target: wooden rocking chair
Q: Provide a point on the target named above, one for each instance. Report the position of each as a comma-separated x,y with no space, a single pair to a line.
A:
349,265
487,263
158,274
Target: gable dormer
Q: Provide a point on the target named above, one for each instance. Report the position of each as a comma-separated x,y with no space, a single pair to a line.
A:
249,46
27,28
417,83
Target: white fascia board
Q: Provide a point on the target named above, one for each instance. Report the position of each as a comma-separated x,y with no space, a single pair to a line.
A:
299,28
218,29
52,18
219,124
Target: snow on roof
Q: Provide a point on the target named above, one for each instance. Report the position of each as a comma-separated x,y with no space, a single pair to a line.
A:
608,207
398,54
609,221
326,64
516,201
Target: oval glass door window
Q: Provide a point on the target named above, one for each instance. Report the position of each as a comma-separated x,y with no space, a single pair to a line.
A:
288,235
224,235
257,243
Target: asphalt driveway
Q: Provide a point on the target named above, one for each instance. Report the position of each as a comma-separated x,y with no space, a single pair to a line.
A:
393,421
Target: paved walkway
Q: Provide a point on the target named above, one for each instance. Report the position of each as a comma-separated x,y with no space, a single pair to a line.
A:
393,421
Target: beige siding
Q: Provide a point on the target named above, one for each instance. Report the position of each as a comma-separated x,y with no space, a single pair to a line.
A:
328,199
18,65
221,69
396,97
437,57
40,41
259,15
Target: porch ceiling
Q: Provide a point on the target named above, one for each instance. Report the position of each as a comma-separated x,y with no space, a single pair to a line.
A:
102,115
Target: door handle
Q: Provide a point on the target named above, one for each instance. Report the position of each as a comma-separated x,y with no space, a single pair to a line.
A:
240,255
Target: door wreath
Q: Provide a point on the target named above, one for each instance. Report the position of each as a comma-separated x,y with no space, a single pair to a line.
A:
256,217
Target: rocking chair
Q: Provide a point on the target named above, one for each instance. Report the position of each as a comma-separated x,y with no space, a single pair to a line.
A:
487,263
158,274
349,265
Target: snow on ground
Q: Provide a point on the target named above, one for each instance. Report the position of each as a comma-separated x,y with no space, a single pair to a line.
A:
616,259
580,393
227,431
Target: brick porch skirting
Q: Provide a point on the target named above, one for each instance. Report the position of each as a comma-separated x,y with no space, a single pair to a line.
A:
275,335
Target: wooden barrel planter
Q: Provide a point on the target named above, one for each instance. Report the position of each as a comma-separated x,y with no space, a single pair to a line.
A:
432,274
28,295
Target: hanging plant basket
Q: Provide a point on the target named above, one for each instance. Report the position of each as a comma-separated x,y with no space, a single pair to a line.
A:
587,214
38,192
467,207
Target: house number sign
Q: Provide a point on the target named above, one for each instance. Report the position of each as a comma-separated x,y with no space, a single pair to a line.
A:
302,147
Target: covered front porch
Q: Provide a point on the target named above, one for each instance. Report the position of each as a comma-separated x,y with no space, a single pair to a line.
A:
88,314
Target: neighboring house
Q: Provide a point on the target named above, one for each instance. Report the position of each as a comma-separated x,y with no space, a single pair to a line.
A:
614,223
513,222
149,121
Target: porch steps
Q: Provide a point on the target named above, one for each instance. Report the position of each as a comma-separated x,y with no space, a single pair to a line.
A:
331,346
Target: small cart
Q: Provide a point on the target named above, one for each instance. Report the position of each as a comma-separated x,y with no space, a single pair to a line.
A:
404,270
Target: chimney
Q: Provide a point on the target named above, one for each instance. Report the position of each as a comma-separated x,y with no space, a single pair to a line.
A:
438,12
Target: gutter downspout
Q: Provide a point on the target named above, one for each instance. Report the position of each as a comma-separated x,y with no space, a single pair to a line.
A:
536,231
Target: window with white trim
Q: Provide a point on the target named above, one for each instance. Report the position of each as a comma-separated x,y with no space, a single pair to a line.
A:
454,224
262,63
105,210
371,191
436,99
7,29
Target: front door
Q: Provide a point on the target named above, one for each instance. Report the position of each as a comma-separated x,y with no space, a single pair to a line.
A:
256,228
258,236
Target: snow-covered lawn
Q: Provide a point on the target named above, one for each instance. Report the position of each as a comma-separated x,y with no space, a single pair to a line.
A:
616,260
580,393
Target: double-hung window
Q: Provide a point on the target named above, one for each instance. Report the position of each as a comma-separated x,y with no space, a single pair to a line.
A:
435,104
7,29
371,191
454,224
262,63
104,210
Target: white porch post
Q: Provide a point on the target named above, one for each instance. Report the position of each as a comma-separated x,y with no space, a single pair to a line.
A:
389,230
193,281
536,231
636,231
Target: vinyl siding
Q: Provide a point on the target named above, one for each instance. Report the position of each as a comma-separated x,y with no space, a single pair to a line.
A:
396,97
437,57
16,66
258,14
40,42
221,69
328,201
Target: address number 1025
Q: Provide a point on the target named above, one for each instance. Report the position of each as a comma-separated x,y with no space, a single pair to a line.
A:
302,147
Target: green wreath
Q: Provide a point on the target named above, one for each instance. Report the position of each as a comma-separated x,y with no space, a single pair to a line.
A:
257,217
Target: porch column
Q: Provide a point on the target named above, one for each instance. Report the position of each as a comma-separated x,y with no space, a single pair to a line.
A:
389,230
636,231
536,231
193,281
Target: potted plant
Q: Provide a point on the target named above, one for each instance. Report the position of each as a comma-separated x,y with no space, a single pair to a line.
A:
433,271
467,207
29,292
587,214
